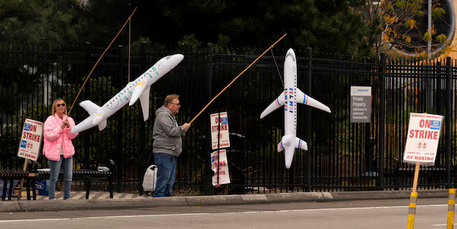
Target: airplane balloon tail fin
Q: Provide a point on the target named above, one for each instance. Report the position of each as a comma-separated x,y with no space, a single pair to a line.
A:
280,147
89,106
289,156
144,101
307,100
102,125
273,106
300,144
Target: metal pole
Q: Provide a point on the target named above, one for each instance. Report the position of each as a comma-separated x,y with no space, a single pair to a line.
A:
429,28
382,104
448,120
451,209
308,121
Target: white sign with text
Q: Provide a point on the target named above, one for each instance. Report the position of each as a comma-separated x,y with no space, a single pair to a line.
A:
221,169
32,133
423,136
219,127
360,104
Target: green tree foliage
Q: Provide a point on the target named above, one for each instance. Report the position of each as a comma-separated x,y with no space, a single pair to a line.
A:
322,25
54,23
400,26
329,25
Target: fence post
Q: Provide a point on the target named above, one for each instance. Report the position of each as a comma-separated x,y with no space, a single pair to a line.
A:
448,120
119,135
209,95
309,53
382,101
144,123
143,126
438,97
87,95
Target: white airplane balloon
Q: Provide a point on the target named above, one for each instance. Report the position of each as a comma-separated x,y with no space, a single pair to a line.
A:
289,99
139,88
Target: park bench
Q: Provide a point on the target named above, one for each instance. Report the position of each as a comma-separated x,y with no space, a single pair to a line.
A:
85,175
9,176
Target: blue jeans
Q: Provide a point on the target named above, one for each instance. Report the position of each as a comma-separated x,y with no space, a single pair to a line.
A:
166,164
67,168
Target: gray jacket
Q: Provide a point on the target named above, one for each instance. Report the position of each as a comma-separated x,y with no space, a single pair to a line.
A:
166,133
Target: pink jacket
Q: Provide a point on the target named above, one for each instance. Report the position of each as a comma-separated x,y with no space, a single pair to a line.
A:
55,138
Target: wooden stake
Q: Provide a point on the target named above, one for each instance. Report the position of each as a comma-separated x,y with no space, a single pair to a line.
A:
22,180
413,200
416,176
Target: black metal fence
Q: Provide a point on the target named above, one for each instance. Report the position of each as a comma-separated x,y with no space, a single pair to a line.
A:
341,156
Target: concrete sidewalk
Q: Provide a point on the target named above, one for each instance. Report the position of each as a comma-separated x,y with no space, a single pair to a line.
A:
101,200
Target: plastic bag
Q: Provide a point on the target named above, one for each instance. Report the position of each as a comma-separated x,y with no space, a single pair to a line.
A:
150,179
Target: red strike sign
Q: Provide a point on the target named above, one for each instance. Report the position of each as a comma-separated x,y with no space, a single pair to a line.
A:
29,145
423,136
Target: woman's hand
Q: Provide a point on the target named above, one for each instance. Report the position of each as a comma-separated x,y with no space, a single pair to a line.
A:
65,123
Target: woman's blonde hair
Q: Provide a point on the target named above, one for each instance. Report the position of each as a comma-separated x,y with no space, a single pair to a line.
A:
54,104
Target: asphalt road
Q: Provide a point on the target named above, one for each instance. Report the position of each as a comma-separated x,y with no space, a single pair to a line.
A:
387,213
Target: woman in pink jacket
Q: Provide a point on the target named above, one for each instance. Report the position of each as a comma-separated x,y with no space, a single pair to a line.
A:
58,147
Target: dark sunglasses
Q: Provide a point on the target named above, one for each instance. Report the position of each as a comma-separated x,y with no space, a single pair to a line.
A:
63,105
177,104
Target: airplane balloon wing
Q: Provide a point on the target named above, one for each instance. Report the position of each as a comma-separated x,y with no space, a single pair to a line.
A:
102,125
307,100
144,101
137,91
274,105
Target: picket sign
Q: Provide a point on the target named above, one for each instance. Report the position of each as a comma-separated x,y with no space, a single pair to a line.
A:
421,145
29,145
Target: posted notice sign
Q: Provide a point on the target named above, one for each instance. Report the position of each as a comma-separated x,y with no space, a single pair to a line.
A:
423,136
32,133
221,159
360,104
219,131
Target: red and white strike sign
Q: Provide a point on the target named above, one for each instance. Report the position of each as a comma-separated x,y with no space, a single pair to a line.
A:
32,134
219,131
423,136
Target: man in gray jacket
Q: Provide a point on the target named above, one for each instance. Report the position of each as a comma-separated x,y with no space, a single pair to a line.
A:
167,144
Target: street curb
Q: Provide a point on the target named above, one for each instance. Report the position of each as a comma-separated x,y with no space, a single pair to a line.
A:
214,200
403,194
9,206
47,205
298,197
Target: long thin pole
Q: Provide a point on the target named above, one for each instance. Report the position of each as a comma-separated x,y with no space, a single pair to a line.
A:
416,176
99,61
429,29
237,78
130,33
413,200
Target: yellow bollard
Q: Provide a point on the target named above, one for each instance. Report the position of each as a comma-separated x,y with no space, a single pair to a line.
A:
411,210
451,209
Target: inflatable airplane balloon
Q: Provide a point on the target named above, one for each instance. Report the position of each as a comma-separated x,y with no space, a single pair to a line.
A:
139,88
289,99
